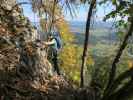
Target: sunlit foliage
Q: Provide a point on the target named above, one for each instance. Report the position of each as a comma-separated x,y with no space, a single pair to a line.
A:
70,53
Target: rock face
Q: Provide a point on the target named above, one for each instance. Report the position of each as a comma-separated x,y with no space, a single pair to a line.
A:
7,4
18,50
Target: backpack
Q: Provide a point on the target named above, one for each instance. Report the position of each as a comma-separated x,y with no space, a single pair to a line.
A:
59,42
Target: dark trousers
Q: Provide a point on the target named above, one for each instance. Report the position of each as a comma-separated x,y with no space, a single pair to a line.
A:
55,62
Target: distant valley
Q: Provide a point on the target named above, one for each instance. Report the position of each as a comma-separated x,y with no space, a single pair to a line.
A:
100,32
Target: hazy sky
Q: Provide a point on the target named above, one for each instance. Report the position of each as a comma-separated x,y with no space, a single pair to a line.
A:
81,13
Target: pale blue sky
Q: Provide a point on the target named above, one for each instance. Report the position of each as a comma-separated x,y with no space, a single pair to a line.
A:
81,13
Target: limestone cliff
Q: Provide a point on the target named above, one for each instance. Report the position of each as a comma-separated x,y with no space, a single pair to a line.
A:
18,50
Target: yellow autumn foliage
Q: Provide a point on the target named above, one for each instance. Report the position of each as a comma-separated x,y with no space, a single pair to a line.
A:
69,55
130,64
66,35
90,61
70,60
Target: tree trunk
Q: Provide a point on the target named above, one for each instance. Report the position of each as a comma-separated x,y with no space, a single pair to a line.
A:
111,81
84,57
117,58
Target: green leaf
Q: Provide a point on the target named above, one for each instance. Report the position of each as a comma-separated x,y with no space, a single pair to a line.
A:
114,2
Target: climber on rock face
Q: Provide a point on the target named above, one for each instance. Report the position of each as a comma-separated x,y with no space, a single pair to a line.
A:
53,46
